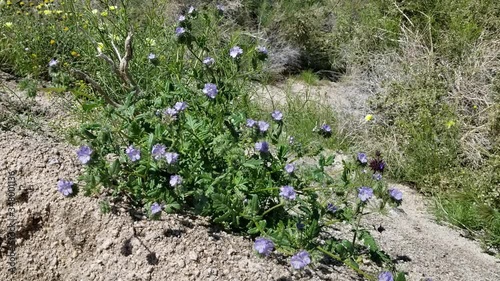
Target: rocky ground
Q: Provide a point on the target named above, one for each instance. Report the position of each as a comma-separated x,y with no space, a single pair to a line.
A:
60,238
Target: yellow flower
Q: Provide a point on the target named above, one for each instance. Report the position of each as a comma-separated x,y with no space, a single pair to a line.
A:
21,3
33,56
65,28
75,54
151,42
100,47
39,6
8,24
59,12
95,11
104,13
114,37
450,124
47,12
9,2
52,42
112,8
368,117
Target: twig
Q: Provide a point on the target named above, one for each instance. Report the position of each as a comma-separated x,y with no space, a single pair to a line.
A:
82,75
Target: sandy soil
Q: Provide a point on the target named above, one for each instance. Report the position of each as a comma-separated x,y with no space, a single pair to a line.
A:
70,239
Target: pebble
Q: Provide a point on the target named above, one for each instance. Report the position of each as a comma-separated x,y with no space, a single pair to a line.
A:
193,256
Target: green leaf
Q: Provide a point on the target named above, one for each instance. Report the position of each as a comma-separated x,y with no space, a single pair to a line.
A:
368,240
253,163
400,276
114,168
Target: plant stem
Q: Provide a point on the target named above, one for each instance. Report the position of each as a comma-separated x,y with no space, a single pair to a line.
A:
359,271
359,211
274,207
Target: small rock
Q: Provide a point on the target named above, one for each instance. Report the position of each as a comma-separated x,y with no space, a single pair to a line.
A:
193,256
181,264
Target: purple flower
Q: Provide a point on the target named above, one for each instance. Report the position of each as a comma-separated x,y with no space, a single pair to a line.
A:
277,115
179,31
155,208
210,90
158,151
53,63
365,193
180,106
182,18
300,260
171,157
235,52
84,154
385,276
133,153
362,158
377,176
377,164
250,123
261,49
175,180
262,147
289,168
208,61
171,112
64,187
287,192
263,126
263,246
396,194
326,128
330,207
151,56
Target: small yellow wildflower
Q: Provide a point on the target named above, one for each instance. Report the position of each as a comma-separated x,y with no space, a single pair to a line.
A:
112,8
95,11
52,41
114,37
475,106
33,56
18,12
100,47
8,24
39,6
46,1
21,3
104,13
368,117
65,28
59,12
75,54
47,12
65,64
9,2
450,124
151,42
